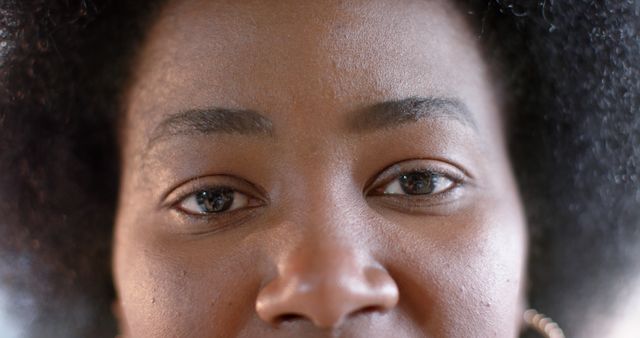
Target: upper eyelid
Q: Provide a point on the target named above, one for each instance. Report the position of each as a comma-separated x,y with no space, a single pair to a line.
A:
455,184
210,216
167,200
189,187
181,200
388,173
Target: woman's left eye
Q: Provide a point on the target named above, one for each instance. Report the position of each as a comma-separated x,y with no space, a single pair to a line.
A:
418,183
213,201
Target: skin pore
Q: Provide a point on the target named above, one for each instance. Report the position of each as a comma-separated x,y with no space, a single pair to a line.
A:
315,169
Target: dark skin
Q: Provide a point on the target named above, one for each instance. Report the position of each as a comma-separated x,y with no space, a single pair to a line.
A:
316,169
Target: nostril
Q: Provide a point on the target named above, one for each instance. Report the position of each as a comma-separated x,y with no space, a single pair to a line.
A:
287,317
367,310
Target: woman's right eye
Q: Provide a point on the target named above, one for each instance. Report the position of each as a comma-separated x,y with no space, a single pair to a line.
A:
213,201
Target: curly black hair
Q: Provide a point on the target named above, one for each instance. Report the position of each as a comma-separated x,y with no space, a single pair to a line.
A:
570,71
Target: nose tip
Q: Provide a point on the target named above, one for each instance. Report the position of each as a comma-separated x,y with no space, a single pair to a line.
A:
327,299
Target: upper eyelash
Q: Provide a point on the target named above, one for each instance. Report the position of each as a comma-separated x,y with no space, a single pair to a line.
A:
456,179
181,198
455,184
199,184
201,216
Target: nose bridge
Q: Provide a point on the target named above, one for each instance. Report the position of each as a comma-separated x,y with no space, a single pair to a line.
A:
321,260
326,197
328,217
318,171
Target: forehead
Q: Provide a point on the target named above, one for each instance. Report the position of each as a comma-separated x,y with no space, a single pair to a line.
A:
314,58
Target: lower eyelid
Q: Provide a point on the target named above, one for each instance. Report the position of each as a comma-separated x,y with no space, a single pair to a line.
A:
397,189
184,189
418,203
192,201
206,224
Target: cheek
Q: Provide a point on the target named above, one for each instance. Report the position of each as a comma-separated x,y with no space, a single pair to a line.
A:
463,276
184,288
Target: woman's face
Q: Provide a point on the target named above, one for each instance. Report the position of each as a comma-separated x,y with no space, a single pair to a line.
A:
316,169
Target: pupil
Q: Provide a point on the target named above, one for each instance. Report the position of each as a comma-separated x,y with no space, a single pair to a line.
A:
213,201
418,183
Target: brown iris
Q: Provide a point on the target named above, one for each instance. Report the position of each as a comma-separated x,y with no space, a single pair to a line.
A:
418,183
215,200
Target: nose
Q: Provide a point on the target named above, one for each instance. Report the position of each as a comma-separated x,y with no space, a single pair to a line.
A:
326,286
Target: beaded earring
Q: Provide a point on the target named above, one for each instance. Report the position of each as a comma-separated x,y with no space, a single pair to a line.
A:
542,324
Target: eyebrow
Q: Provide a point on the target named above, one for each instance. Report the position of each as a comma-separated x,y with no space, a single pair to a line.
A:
383,115
210,121
391,114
